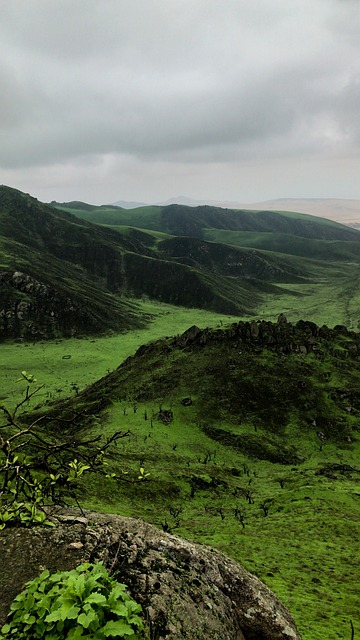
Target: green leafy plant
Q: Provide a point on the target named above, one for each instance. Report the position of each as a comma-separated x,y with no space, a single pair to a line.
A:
83,603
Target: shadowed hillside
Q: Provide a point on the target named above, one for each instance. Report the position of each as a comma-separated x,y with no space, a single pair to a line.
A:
181,220
63,276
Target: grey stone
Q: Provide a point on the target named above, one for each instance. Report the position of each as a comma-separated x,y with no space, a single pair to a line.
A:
186,590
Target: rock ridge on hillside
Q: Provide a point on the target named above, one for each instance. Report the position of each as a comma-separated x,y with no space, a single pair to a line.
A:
282,336
186,590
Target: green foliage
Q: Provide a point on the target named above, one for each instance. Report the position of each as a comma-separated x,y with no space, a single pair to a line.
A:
37,470
83,603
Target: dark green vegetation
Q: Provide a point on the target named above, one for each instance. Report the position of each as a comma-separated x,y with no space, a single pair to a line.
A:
250,435
257,263
61,275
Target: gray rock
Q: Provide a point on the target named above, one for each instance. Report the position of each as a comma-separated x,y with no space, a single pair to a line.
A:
186,590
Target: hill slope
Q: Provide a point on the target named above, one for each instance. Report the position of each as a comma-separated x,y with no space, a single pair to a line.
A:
251,437
89,266
57,274
192,221
306,266
62,275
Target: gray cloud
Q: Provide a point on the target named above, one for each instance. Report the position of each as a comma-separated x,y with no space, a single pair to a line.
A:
121,84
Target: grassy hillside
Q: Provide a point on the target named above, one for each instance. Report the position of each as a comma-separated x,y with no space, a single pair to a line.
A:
58,274
143,217
192,221
332,250
93,271
251,437
300,264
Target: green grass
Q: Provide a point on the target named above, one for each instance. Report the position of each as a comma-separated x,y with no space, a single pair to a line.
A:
333,250
92,358
129,231
142,217
333,299
304,549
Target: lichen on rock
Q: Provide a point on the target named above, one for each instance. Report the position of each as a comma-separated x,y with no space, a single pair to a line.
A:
187,590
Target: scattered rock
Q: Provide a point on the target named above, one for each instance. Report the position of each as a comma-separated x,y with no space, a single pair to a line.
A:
186,402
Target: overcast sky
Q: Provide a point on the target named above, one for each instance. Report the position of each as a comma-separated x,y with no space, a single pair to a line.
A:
142,100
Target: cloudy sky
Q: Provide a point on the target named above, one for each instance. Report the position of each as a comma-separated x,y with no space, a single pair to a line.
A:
143,100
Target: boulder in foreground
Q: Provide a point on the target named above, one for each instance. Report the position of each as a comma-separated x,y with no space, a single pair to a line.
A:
186,590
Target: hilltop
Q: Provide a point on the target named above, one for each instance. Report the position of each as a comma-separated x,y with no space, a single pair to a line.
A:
250,434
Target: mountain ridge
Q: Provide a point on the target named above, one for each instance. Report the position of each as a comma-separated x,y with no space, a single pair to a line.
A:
97,271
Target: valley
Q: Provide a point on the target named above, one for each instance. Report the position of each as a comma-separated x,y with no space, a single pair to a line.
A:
227,344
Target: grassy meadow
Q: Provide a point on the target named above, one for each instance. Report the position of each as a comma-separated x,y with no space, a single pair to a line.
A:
290,525
92,358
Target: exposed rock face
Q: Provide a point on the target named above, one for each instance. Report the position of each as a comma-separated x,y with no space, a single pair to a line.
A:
283,336
30,309
186,590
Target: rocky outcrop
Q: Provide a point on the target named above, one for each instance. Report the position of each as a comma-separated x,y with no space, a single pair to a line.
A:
281,336
186,590
31,309
38,309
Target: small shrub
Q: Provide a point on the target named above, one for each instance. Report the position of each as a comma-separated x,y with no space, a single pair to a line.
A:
83,603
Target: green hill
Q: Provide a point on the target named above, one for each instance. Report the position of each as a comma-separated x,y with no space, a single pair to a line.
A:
182,220
251,438
58,275
284,261
62,275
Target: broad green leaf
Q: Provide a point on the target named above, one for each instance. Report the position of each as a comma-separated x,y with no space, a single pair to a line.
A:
75,633
29,602
79,585
117,629
73,613
96,598
85,619
44,575
66,610
83,567
48,523
54,616
120,609
118,591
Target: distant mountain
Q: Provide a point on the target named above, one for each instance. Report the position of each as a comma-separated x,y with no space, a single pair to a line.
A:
192,202
341,210
125,204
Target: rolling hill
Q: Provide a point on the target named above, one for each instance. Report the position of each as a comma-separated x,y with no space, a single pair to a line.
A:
250,434
307,266
63,275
